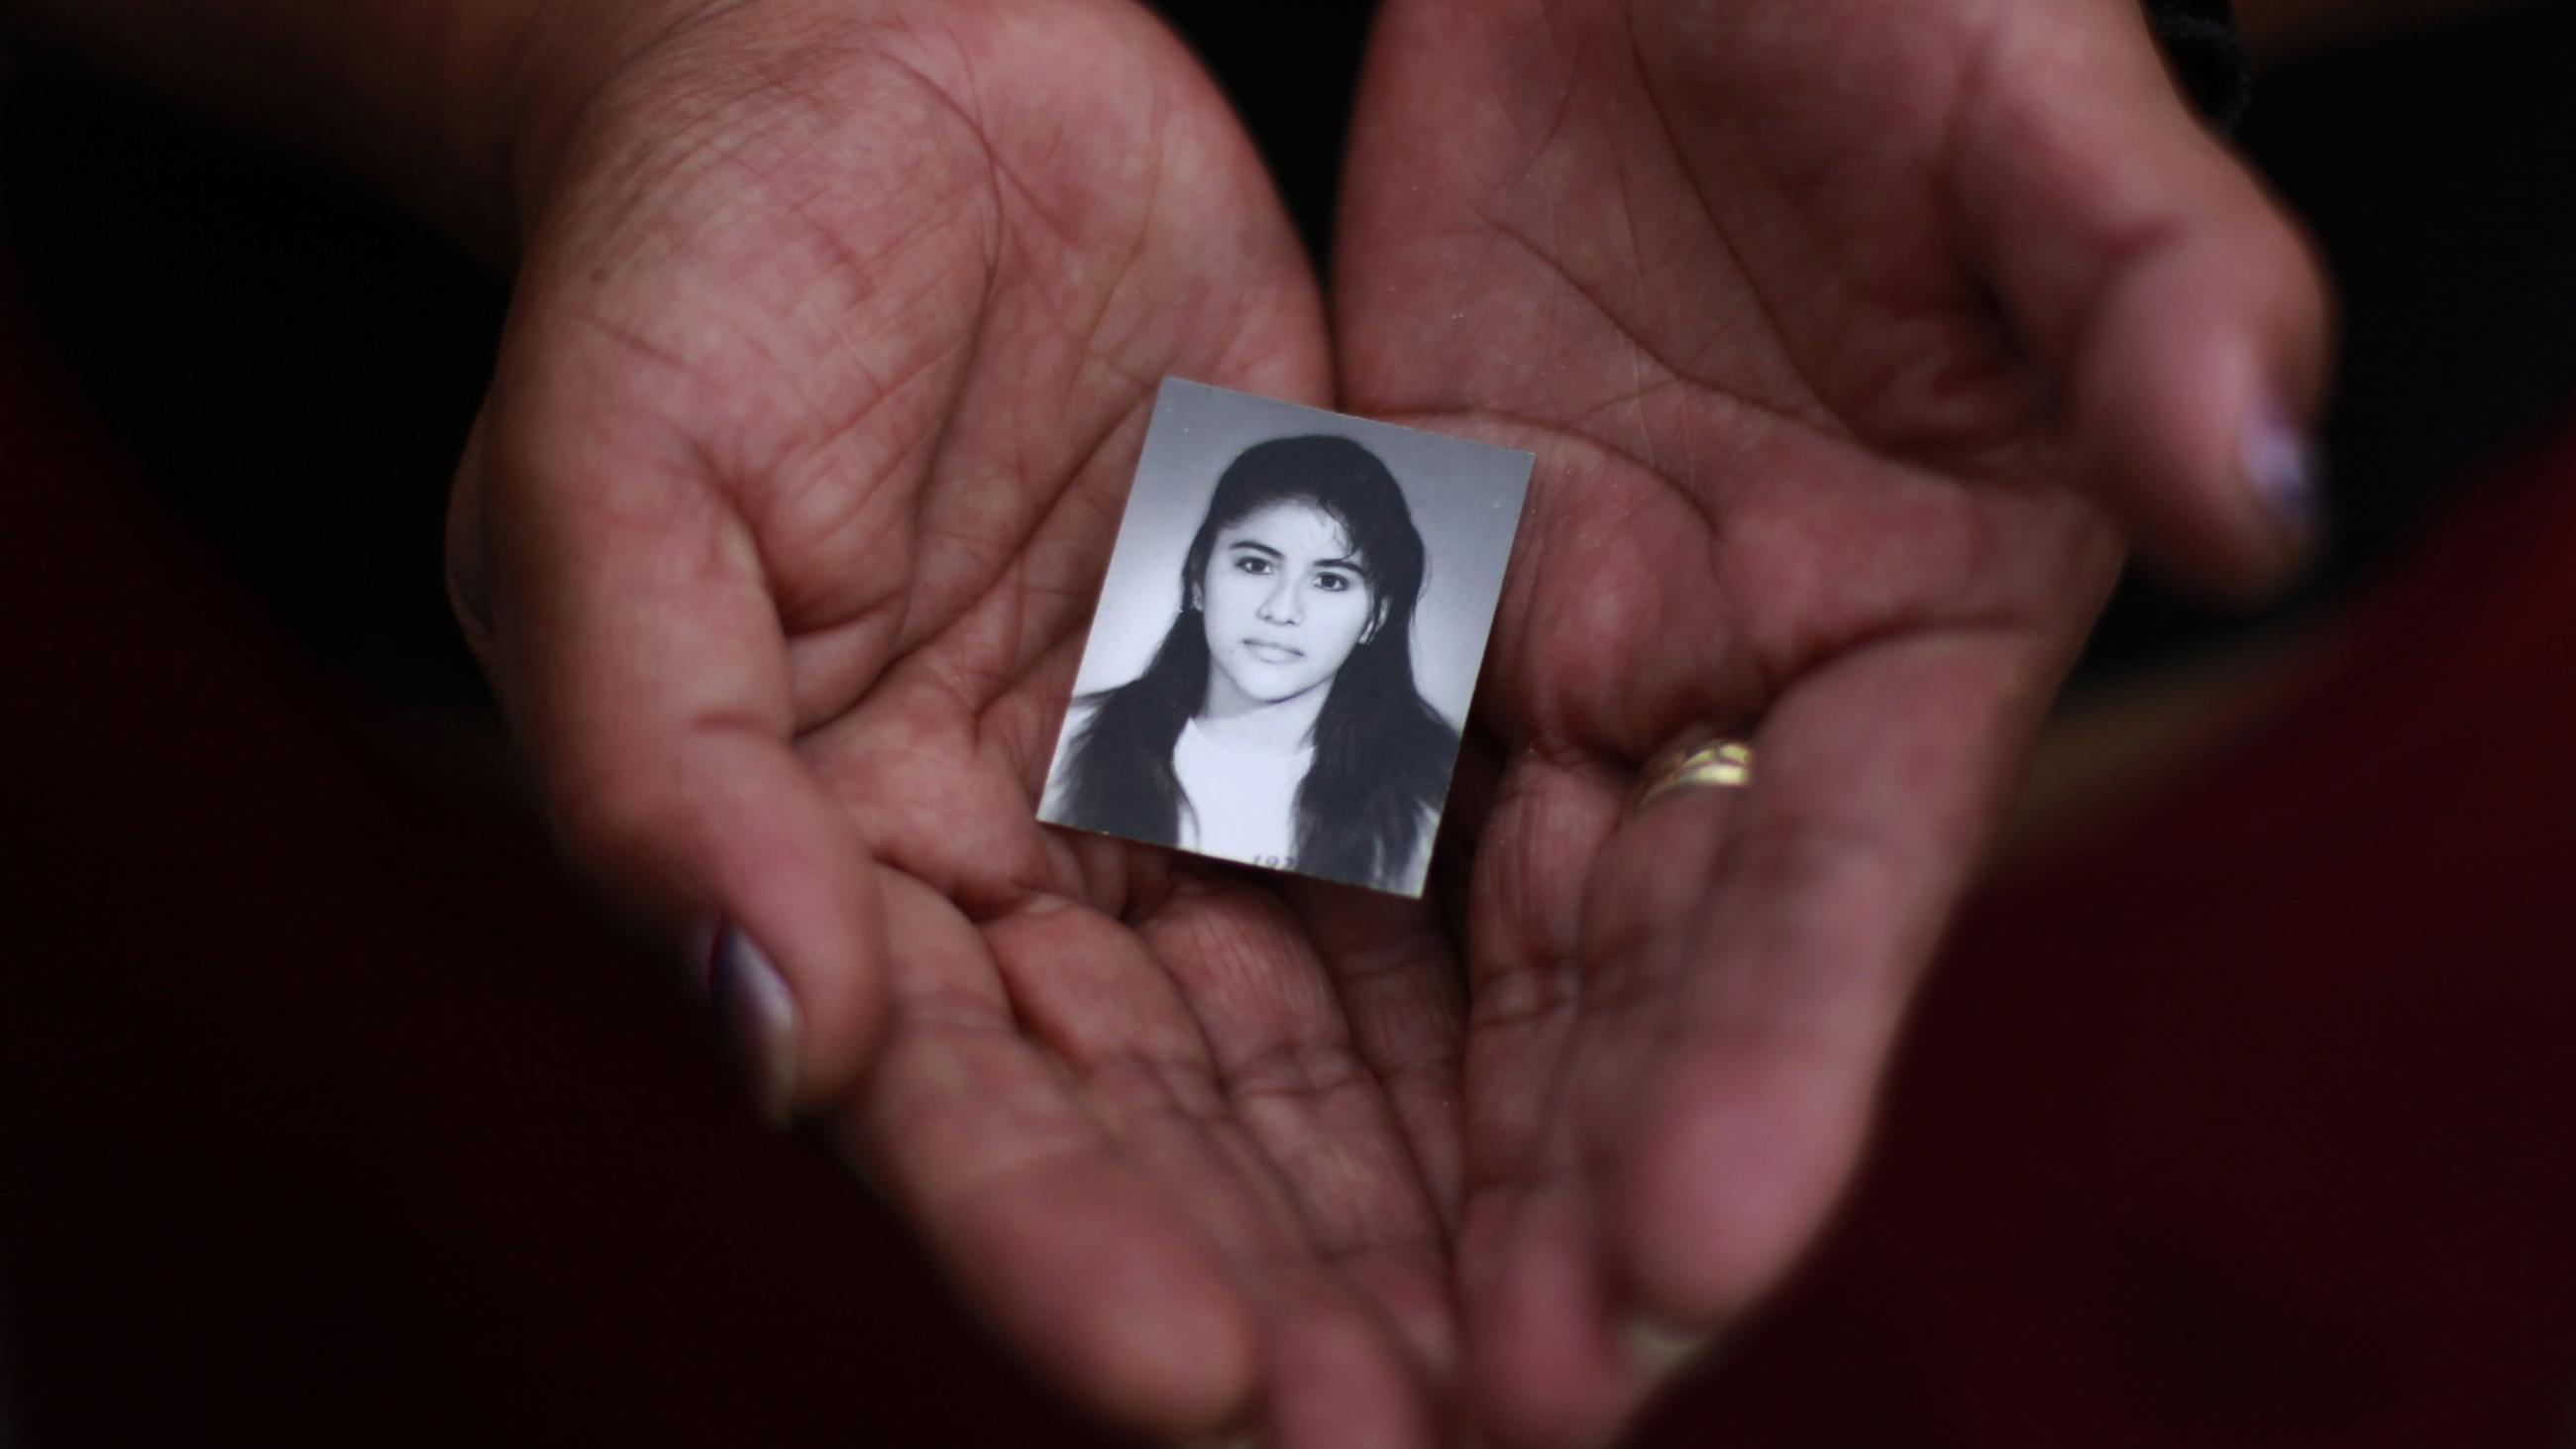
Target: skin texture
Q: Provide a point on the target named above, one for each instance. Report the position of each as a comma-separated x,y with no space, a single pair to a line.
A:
1280,579
835,341
1834,327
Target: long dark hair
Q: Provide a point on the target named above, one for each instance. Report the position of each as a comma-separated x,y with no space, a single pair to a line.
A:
1382,755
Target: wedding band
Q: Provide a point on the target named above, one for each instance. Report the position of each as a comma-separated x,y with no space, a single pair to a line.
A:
1723,764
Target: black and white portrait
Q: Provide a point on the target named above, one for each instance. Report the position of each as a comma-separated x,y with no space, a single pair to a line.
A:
1288,638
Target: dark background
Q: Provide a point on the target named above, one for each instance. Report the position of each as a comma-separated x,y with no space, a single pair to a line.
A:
328,1114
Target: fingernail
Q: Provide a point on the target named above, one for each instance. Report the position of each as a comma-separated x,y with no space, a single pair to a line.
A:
758,1017
1661,1351
2286,472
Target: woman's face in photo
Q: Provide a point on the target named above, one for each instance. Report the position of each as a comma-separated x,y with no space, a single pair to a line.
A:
1283,601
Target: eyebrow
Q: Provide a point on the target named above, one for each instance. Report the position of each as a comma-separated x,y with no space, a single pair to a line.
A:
1352,564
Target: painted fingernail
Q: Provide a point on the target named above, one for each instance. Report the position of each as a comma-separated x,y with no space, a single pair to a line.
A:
2286,472
1662,1351
758,1017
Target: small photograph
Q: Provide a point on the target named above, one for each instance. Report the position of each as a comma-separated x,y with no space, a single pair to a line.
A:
1288,638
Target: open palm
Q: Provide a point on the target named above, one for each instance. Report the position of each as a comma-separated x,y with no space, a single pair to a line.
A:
1823,321
836,341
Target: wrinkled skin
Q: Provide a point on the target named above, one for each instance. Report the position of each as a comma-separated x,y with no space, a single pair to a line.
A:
836,335
1827,323
780,532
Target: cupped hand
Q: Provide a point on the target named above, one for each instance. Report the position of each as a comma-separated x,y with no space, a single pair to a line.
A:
837,333
1848,336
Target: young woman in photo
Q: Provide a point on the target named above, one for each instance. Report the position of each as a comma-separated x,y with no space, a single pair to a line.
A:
1278,723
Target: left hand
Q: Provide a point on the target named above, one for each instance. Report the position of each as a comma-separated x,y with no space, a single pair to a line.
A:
1844,333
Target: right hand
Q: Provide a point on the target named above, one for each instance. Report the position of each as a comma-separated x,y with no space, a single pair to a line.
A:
839,327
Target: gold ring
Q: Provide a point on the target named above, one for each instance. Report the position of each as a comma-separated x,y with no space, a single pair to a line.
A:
1722,763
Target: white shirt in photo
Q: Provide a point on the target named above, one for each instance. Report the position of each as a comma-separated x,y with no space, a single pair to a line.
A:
1242,803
